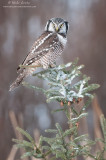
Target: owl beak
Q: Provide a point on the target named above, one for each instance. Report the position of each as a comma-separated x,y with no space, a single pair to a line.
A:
57,29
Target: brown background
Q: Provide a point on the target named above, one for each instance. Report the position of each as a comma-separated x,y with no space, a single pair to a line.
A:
19,28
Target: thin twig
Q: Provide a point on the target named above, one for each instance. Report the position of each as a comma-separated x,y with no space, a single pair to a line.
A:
36,136
20,119
12,153
15,124
29,66
97,112
71,126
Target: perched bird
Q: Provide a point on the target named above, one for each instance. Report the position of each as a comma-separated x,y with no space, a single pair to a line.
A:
45,50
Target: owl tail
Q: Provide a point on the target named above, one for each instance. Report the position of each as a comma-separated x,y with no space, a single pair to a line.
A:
18,81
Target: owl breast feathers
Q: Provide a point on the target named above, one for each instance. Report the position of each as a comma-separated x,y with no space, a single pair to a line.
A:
45,50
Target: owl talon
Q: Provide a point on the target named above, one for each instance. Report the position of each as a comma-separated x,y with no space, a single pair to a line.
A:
52,65
45,67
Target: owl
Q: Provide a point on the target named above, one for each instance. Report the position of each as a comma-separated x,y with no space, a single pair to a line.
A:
46,49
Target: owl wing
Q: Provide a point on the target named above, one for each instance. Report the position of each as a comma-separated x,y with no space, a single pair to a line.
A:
44,44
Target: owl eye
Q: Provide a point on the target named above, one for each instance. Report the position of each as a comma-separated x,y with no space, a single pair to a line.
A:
53,25
61,25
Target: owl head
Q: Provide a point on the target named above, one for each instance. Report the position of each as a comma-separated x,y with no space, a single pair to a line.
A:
57,25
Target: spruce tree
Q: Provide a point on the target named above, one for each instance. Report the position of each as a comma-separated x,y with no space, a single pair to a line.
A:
68,86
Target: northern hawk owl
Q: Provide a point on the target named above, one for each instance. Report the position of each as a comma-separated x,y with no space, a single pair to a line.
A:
46,49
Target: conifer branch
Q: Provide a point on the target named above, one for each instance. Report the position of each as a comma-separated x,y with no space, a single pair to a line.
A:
68,86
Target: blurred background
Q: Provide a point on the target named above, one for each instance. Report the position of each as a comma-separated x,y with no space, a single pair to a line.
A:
19,28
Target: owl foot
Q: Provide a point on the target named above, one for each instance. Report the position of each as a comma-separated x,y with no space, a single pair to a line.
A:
52,65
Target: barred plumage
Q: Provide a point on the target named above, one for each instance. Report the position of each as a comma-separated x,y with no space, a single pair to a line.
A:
45,50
